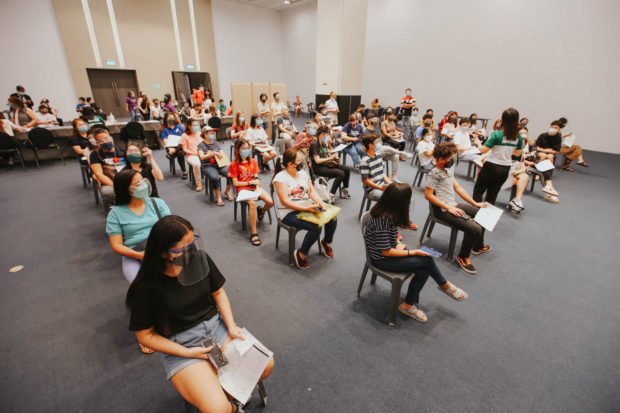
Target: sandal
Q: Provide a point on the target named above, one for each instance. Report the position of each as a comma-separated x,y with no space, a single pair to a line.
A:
414,312
261,214
145,349
229,197
254,239
568,168
454,292
585,165
220,203
199,188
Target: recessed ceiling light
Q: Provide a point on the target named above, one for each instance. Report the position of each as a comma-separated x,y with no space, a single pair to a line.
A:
287,1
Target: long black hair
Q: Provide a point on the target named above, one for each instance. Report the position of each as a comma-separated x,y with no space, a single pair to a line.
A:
510,124
164,235
394,203
122,182
240,142
288,156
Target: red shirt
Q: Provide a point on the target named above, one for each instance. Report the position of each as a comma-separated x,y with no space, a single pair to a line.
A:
244,172
199,96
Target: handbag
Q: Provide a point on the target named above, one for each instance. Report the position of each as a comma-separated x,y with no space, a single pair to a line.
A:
320,186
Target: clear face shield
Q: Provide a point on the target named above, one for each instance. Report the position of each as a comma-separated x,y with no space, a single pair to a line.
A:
190,262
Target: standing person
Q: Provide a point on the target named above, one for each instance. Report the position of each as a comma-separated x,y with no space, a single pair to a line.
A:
130,105
327,164
352,136
277,106
129,223
172,127
141,160
263,110
388,253
189,142
296,194
21,115
407,104
177,302
502,145
243,171
209,152
331,105
20,93
286,131
297,105
198,95
144,106
440,192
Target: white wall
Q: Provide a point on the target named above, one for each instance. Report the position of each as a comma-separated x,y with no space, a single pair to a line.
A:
545,58
35,56
248,44
299,50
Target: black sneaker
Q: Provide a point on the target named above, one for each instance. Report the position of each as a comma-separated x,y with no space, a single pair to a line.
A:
466,265
301,263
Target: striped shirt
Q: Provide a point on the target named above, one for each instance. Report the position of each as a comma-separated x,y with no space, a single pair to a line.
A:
372,168
380,234
442,182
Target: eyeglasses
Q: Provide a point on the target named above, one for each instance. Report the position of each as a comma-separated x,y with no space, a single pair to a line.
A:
137,184
190,246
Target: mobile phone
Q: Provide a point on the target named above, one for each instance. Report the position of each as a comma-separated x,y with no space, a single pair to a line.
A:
217,358
430,251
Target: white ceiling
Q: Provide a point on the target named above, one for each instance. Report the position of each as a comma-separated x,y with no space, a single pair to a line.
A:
271,4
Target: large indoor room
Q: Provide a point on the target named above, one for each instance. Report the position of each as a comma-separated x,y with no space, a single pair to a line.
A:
309,206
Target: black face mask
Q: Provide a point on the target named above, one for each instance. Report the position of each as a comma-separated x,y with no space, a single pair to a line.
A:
427,124
449,164
299,167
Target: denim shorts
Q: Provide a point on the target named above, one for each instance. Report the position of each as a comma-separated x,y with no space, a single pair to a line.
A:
194,337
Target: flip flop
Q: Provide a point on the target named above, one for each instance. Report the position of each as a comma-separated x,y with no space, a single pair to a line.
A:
220,203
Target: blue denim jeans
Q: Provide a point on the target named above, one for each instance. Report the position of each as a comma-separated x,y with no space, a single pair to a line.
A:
423,268
314,231
356,152
213,173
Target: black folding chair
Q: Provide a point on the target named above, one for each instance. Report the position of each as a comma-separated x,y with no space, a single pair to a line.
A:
431,220
41,139
11,146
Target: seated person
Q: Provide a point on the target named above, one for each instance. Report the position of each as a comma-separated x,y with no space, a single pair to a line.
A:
462,141
44,118
258,139
296,194
189,142
221,107
320,116
210,152
305,139
89,116
389,254
140,158
197,112
298,106
427,121
175,308
129,223
79,140
172,127
416,119
425,150
570,152
439,191
286,131
157,112
518,175
243,171
547,146
392,135
449,128
105,162
352,136
371,166
327,164
239,127
387,152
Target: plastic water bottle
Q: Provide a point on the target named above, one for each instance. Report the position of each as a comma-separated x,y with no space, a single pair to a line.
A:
111,120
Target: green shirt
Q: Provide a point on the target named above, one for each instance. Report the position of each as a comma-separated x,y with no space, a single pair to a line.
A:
134,228
501,148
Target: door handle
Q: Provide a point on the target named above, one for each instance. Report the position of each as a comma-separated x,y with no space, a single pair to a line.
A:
116,93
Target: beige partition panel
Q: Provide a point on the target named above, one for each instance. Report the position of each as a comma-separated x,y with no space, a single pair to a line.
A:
241,93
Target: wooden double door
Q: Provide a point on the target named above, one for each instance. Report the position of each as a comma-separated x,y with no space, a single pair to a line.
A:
110,88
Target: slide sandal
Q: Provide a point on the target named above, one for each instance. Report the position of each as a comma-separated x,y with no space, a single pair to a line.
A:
454,292
414,312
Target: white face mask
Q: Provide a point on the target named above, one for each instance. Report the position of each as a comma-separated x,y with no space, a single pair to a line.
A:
428,138
553,131
408,93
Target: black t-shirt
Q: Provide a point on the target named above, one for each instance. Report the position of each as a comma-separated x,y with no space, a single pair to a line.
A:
77,140
185,306
316,149
547,141
147,172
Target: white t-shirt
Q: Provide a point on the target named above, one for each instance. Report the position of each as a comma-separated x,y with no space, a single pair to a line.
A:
48,117
262,108
331,105
8,126
462,139
256,136
422,147
298,189
276,108
448,130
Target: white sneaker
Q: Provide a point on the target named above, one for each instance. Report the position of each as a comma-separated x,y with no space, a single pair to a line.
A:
407,155
549,190
395,179
345,193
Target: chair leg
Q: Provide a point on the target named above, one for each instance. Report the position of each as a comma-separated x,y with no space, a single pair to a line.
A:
415,178
359,216
533,177
430,228
364,272
453,236
291,245
21,159
426,224
244,216
373,278
396,286
277,235
36,158
235,210
60,153
83,174
269,215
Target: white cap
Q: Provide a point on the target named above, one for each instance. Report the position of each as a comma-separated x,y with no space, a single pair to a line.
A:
208,128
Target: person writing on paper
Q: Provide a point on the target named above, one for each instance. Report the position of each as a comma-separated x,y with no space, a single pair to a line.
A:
172,128
502,146
176,303
211,157
547,146
388,253
296,194
257,137
440,192
141,159
239,127
190,140
352,136
570,150
243,171
327,164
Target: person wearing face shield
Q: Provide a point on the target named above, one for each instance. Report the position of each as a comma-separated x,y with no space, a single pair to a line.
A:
176,303
140,158
105,162
129,223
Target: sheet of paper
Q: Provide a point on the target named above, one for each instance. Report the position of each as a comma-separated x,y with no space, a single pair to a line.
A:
474,151
247,360
247,195
340,147
488,217
569,140
264,149
545,165
173,141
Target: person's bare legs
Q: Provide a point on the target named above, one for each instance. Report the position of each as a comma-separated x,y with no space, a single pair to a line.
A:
252,215
521,185
198,384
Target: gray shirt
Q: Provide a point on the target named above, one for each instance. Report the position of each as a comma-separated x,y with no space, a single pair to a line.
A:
442,181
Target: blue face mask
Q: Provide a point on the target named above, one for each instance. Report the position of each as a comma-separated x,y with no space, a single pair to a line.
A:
325,140
245,153
259,122
142,191
196,129
107,146
312,132
83,129
378,147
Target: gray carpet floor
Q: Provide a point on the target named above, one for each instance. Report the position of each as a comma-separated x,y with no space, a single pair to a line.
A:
540,331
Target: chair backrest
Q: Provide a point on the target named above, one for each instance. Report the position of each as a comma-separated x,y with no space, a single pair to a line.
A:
7,142
363,222
132,131
380,112
215,122
228,132
41,137
396,110
365,113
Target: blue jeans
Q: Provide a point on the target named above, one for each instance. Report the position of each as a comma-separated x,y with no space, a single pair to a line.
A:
356,152
213,172
422,266
314,231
